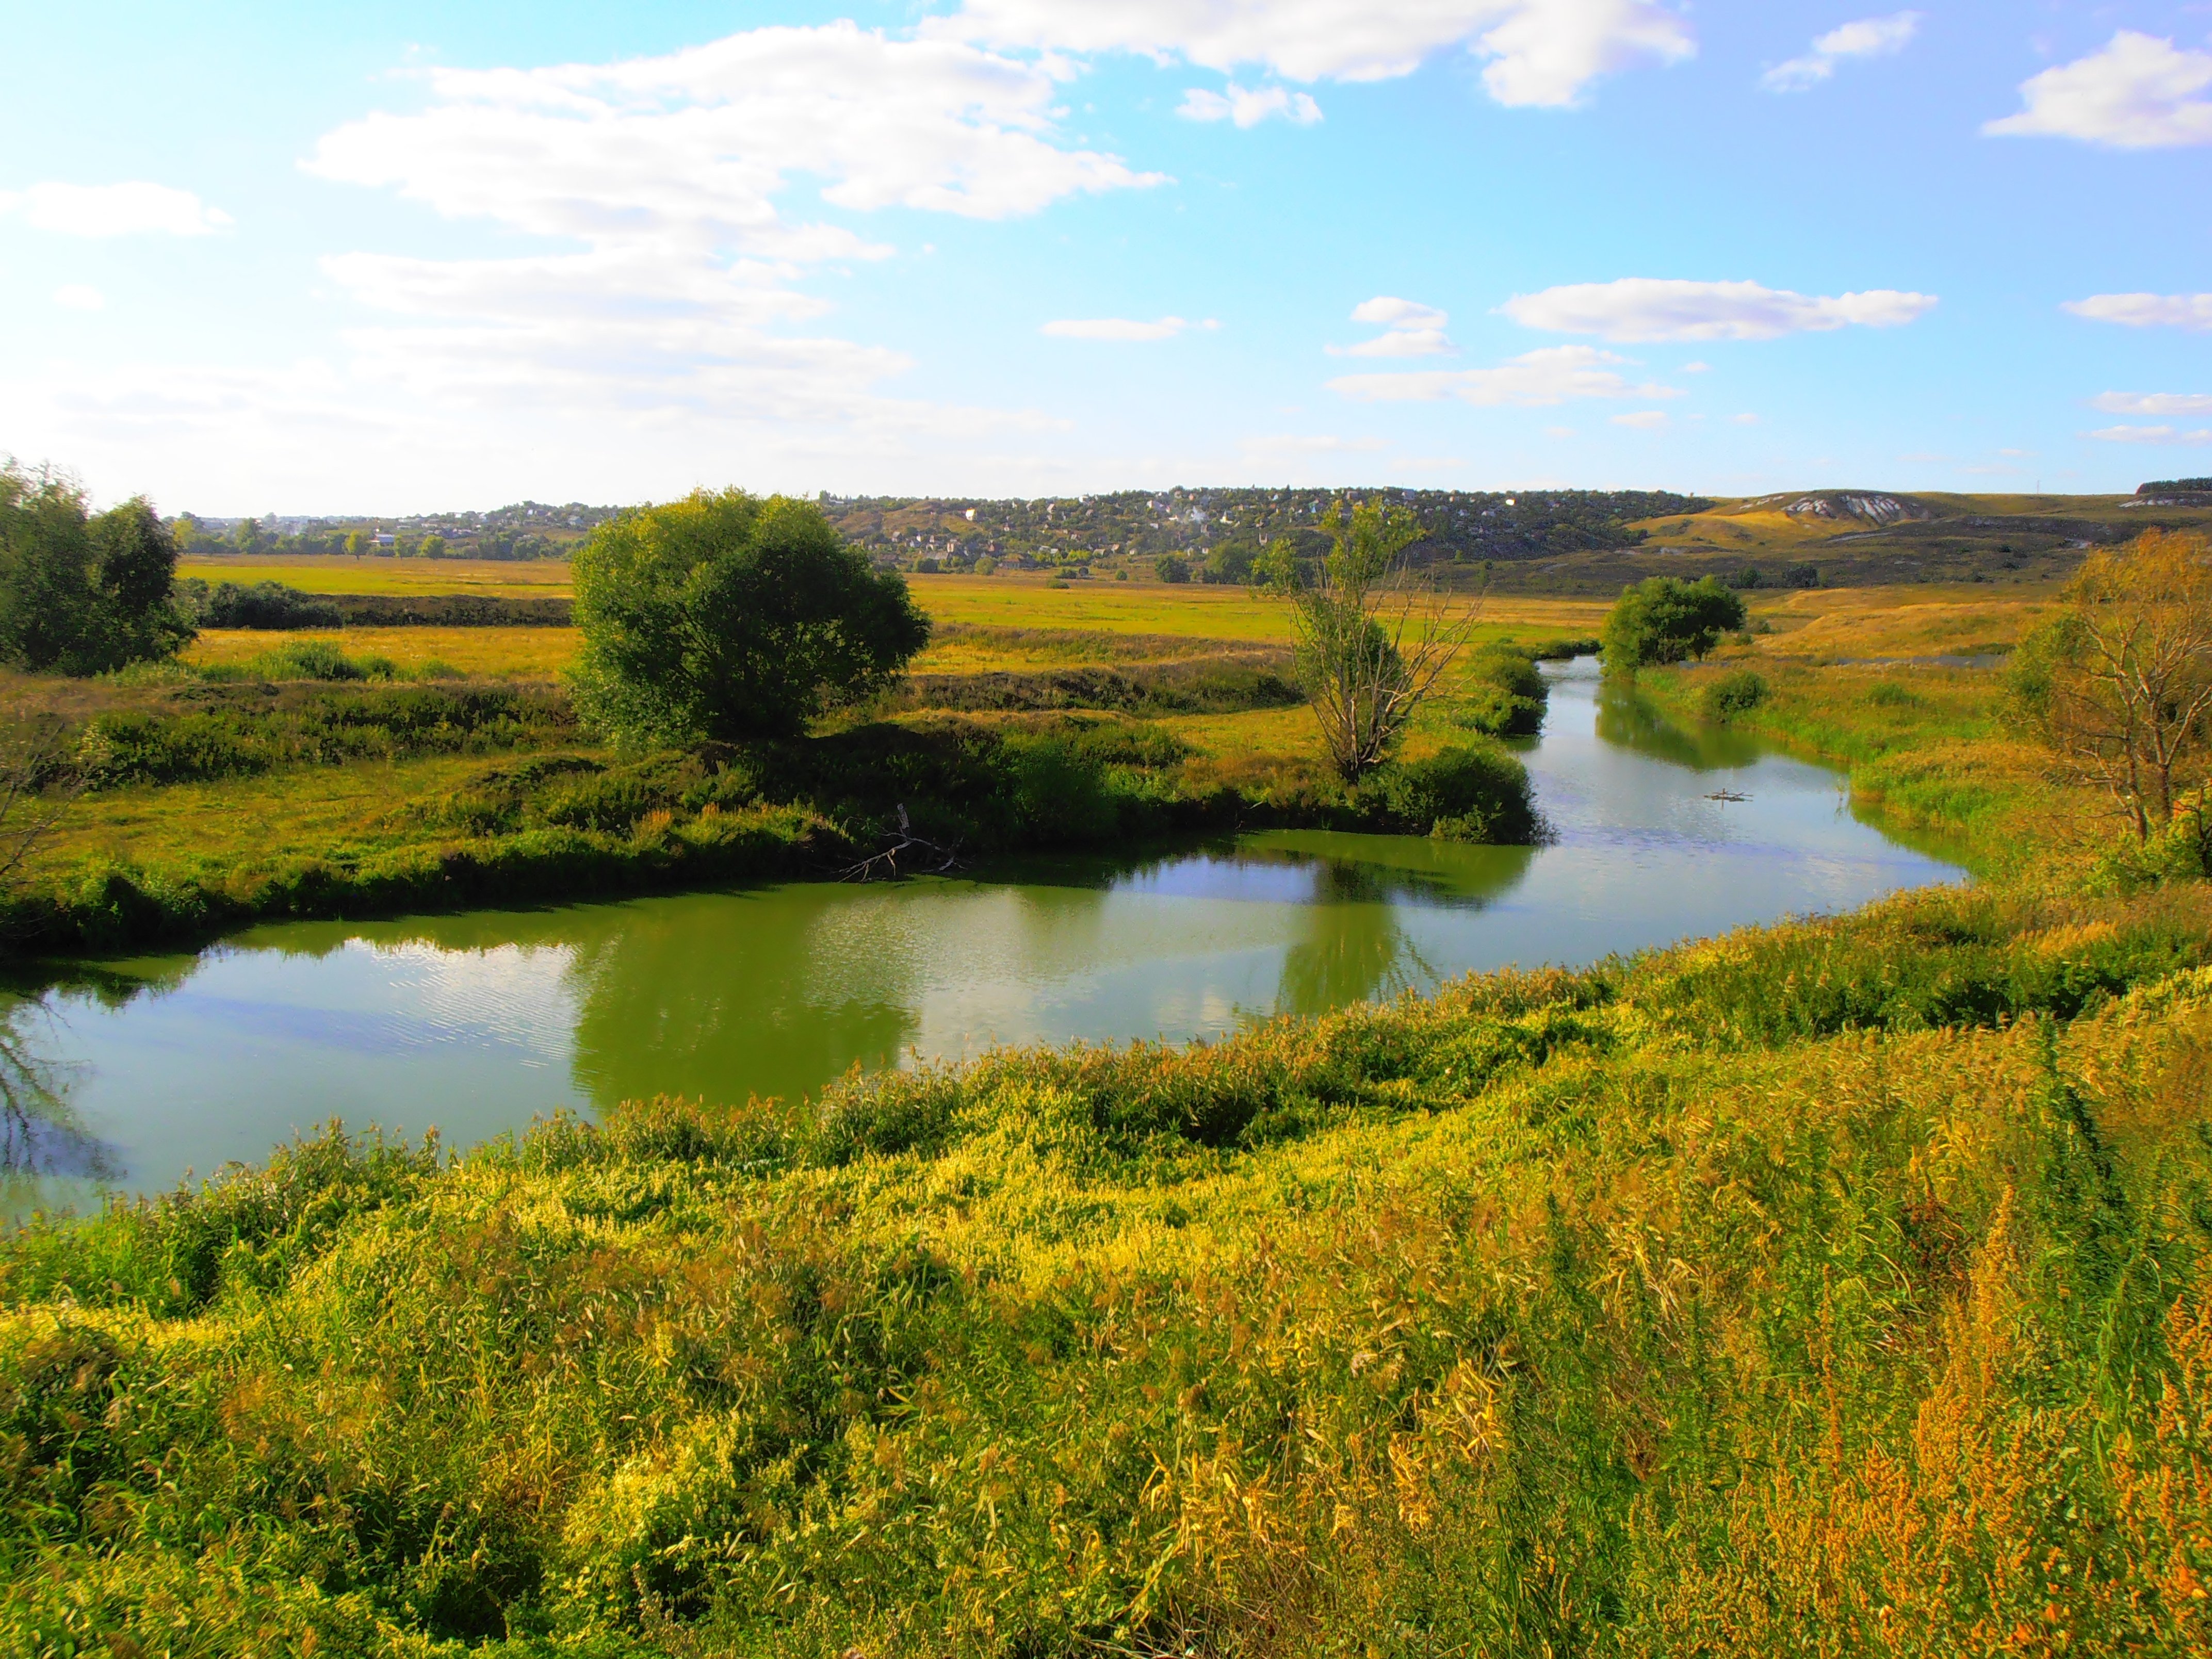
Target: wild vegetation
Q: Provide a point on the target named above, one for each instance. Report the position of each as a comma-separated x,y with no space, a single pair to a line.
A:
1372,642
1842,1283
1660,620
81,591
722,617
2119,682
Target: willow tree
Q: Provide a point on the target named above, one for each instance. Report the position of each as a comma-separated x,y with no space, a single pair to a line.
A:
1372,639
2121,681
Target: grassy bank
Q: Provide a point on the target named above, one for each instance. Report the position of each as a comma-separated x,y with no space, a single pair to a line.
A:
1836,1288
204,806
1928,748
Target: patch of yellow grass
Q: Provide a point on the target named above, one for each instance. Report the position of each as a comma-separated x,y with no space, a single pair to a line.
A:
524,653
1951,619
1225,613
300,811
333,574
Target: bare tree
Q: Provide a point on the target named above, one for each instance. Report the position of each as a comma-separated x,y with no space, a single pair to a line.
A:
2122,683
1372,638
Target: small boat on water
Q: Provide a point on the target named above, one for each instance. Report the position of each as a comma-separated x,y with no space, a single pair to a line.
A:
1726,795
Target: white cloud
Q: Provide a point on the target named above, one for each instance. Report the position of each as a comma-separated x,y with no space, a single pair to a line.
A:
1249,107
1646,308
1543,52
1120,328
1398,342
1697,368
1645,419
1534,379
2190,310
126,209
2137,94
2152,403
77,296
2151,435
1869,37
1743,420
1558,432
1319,443
693,147
1390,312
672,179
1411,330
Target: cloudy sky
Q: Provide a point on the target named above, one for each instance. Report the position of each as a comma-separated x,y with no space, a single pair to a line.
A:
272,258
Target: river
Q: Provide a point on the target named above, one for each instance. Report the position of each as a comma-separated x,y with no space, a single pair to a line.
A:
126,1075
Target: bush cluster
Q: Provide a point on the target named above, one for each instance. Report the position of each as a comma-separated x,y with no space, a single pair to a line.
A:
244,730
267,604
82,592
1503,695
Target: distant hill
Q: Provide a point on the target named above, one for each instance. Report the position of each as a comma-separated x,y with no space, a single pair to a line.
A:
1220,530
1568,541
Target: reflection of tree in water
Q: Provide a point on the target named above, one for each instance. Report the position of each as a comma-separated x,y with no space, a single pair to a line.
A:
1357,952
1631,721
711,1000
39,1132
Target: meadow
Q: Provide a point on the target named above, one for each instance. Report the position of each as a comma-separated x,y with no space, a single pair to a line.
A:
1837,1288
1832,1288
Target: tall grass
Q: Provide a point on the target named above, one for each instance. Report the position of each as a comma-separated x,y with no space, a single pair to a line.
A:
1558,1314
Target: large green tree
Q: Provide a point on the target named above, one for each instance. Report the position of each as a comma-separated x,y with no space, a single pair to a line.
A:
727,616
81,591
1662,620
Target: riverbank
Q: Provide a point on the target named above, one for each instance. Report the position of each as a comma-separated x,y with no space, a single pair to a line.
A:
243,792
1761,1286
1841,1283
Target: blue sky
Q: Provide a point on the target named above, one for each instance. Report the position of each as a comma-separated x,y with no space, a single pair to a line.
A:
265,258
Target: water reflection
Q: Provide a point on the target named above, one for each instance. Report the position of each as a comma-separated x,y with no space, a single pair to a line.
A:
1632,722
474,1023
43,1139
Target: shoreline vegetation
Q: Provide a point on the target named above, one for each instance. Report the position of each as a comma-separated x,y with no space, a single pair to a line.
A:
1842,1285
486,792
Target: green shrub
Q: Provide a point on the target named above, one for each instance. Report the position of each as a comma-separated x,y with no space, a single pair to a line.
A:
266,604
1731,695
1477,794
1889,694
1504,696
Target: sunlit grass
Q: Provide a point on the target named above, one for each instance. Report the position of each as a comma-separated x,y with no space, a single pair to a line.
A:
529,578
1950,620
524,653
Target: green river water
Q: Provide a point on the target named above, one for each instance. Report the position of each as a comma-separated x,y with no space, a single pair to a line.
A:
126,1075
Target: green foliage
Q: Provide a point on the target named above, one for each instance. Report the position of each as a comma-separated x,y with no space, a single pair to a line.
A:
1231,563
1474,792
1504,693
1665,620
1732,695
81,592
1192,686
233,732
1172,567
725,618
265,604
